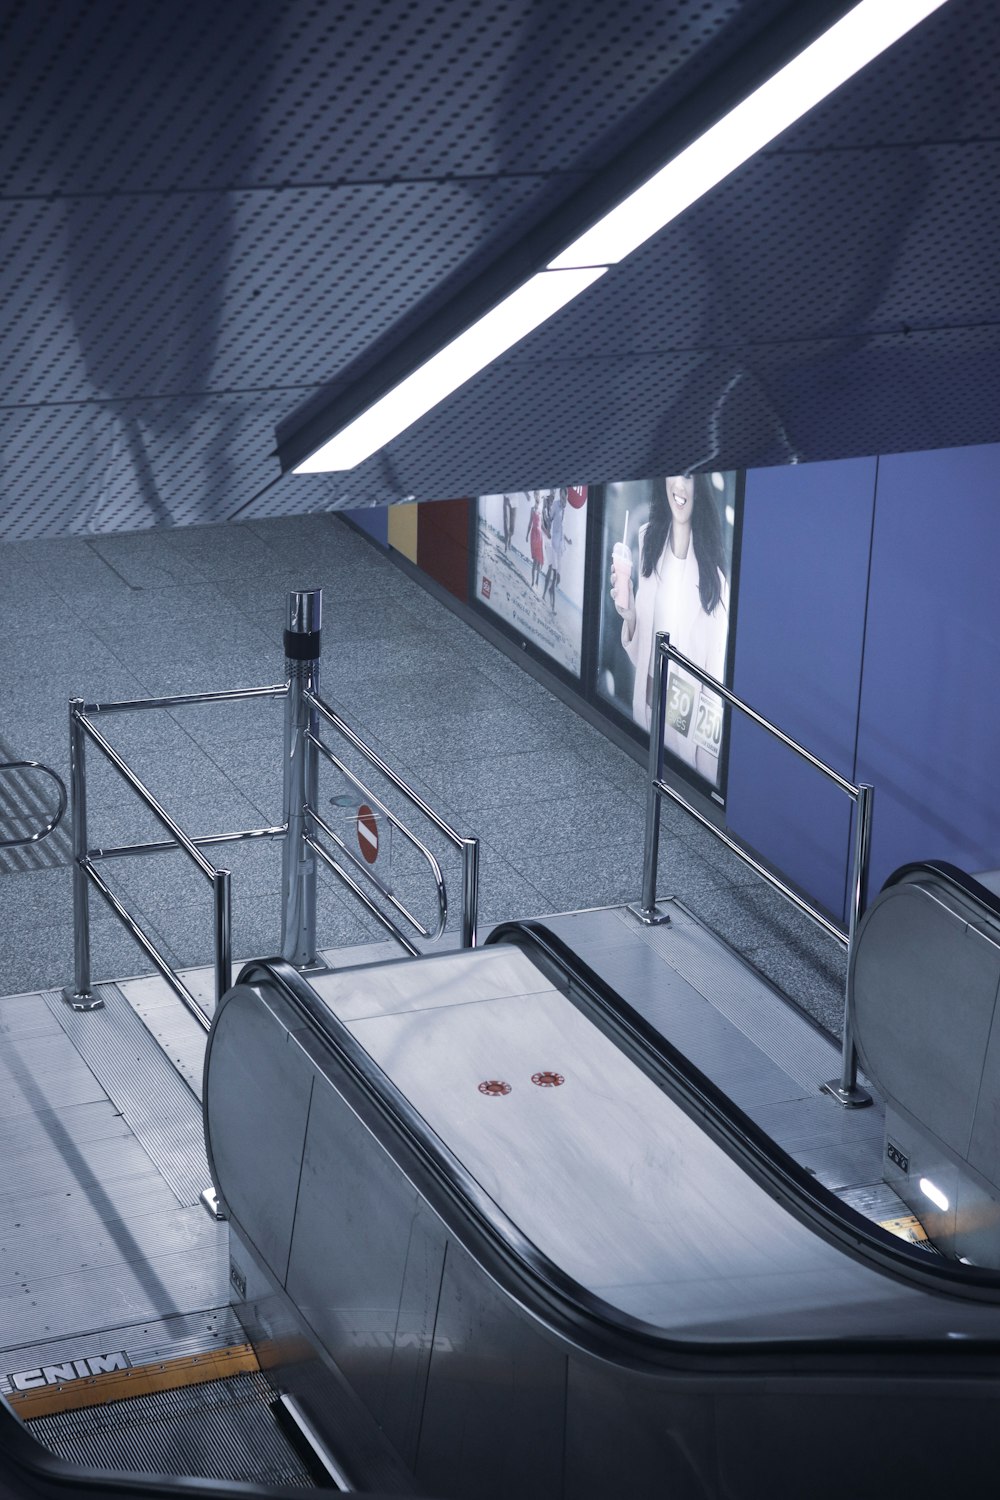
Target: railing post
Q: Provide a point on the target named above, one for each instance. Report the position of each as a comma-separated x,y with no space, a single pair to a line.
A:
470,891
80,995
845,1088
647,910
303,624
222,895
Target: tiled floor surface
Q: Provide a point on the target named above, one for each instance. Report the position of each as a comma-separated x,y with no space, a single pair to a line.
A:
559,809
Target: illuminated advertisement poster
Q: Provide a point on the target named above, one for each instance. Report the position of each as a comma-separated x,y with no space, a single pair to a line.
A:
530,563
667,564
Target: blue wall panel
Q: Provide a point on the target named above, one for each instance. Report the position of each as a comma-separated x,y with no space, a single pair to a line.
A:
929,735
374,521
799,641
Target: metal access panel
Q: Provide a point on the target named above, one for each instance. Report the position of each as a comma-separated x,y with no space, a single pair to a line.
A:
924,985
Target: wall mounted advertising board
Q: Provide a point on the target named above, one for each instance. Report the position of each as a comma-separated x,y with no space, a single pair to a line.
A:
667,555
584,576
529,567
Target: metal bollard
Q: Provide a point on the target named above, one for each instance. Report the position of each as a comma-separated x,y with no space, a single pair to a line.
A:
845,1089
470,891
647,910
303,625
79,995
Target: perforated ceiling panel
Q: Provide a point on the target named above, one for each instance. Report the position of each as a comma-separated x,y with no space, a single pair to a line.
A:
215,218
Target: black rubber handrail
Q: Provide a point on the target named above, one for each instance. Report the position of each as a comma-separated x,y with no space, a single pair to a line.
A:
747,1143
951,875
546,1291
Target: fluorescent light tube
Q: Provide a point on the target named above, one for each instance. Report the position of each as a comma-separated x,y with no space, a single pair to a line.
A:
822,67
489,337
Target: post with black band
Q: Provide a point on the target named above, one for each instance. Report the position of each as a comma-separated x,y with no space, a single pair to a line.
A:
303,624
79,994
646,909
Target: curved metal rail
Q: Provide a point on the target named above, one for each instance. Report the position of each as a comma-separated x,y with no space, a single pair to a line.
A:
400,826
53,822
468,848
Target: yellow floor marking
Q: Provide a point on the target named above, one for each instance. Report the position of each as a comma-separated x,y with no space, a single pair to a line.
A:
140,1380
906,1227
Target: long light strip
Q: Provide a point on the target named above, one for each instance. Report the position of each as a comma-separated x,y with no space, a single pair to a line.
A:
822,67
486,339
837,55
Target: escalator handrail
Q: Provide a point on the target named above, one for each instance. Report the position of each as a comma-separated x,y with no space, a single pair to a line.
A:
752,1148
951,875
535,1282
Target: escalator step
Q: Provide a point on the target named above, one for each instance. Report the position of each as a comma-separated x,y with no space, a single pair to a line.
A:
217,1429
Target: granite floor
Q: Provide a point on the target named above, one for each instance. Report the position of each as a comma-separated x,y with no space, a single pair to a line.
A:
558,807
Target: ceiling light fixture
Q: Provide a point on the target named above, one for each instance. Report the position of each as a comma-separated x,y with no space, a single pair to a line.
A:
843,50
481,343
852,42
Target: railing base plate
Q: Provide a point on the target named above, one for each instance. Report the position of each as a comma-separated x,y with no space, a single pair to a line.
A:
854,1098
652,916
82,999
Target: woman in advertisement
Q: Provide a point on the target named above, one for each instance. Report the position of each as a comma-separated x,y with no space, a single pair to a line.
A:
681,588
555,544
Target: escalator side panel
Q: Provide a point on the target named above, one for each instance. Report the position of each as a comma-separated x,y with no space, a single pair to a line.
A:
828,1444
496,1396
924,990
914,961
365,1267
658,1432
483,1382
259,1121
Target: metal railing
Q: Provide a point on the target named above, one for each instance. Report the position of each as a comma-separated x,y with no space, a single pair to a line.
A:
51,823
300,846
303,747
845,1088
81,729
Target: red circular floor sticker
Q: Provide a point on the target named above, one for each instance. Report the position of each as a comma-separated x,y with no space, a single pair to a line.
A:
547,1080
494,1086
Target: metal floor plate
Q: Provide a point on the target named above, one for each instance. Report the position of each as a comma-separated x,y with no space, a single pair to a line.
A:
100,1226
162,1112
716,1009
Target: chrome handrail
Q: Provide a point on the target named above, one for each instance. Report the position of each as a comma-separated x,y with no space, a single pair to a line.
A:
302,820
352,885
397,823
845,1089
180,838
80,995
467,847
53,822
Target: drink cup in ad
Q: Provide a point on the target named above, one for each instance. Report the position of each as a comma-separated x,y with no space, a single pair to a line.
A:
621,557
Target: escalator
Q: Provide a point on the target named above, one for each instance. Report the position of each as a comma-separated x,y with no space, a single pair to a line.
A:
548,1257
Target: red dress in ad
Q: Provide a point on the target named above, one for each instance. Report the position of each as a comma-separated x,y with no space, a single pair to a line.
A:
535,536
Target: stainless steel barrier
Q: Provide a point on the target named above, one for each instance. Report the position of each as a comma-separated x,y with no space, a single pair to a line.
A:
303,746
81,728
844,1089
302,821
51,823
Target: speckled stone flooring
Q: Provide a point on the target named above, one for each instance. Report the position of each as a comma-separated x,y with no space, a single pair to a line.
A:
557,806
